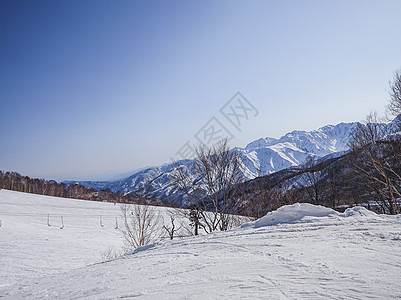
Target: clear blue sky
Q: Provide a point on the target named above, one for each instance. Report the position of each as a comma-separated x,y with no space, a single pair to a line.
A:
91,88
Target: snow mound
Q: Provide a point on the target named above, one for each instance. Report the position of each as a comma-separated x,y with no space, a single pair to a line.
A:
359,211
291,214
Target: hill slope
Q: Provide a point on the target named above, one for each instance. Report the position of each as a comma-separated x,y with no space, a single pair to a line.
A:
298,252
30,248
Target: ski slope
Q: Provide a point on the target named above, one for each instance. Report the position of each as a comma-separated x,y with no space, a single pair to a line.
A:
30,248
297,252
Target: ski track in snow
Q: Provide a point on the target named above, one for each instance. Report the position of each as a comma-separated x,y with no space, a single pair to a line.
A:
337,256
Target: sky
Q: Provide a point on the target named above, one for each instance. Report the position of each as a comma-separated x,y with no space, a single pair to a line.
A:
93,89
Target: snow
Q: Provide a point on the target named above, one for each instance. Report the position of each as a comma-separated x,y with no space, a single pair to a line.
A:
311,253
359,211
291,214
31,249
305,212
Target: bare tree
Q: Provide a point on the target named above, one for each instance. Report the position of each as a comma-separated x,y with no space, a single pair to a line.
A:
265,200
111,253
220,174
172,228
142,224
311,180
376,158
395,94
185,183
211,189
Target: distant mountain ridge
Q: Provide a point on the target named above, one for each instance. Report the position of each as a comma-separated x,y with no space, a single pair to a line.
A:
261,157
269,155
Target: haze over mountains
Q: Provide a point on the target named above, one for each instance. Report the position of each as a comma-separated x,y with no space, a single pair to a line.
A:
261,157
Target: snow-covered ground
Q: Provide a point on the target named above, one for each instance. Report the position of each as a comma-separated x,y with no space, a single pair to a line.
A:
30,248
297,252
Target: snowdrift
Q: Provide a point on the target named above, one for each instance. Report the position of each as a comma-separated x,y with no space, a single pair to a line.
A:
359,211
305,212
291,214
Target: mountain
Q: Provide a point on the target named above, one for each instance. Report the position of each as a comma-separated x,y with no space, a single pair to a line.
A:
266,156
261,157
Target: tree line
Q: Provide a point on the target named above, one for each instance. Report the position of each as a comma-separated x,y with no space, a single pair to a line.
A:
17,182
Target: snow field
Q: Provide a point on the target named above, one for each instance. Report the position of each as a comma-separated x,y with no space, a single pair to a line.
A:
30,248
297,252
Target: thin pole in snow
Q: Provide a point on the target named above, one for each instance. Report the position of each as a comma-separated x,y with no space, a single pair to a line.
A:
116,224
48,220
101,221
62,223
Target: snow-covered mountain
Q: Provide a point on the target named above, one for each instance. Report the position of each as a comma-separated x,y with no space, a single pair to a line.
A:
260,157
269,155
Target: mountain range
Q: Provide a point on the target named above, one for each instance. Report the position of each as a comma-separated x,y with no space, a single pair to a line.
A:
261,157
